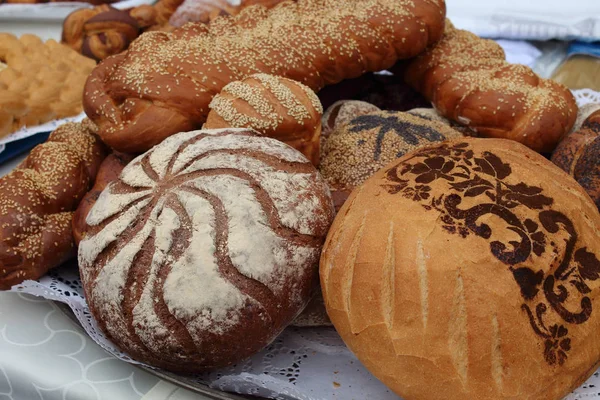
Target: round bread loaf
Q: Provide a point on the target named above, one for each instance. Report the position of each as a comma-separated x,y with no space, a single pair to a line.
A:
277,107
343,111
468,270
357,149
578,154
205,248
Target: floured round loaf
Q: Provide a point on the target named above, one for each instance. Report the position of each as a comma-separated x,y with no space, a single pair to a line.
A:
468,270
205,248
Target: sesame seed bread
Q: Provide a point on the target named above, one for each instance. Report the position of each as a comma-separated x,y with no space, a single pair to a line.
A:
469,81
205,248
578,154
468,269
274,106
37,200
359,148
165,81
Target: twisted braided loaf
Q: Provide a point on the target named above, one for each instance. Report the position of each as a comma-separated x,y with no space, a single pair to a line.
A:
164,83
469,81
37,201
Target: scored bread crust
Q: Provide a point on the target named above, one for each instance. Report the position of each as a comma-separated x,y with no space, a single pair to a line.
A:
164,83
274,106
468,270
469,81
205,248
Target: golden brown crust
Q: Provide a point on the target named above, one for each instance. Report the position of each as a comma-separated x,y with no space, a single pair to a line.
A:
41,81
109,170
274,106
468,268
100,32
205,11
469,81
578,154
167,80
37,201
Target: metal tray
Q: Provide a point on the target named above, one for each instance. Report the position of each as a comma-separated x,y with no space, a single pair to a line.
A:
179,380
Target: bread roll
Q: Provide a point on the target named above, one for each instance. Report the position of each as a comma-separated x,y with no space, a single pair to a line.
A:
578,154
356,150
274,106
468,270
211,243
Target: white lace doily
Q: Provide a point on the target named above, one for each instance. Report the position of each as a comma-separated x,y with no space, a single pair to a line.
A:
302,363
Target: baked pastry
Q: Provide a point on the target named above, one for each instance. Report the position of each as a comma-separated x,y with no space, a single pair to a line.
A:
274,106
41,81
99,32
172,77
469,81
207,276
578,154
37,200
356,150
343,111
96,2
205,11
109,171
469,268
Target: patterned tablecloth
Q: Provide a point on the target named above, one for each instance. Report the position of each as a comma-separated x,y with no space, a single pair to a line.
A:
44,355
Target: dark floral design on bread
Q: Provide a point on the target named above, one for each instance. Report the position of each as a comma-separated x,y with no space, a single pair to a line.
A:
540,230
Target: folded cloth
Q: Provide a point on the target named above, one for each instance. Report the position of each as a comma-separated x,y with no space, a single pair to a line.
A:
529,20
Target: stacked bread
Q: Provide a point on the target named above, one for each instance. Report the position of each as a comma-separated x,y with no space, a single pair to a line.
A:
39,82
471,262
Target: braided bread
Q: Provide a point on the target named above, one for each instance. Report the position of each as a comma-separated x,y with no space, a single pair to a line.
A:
37,201
99,32
274,106
41,81
578,154
164,83
469,81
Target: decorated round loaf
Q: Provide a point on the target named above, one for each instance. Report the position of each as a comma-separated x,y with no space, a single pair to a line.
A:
205,248
468,270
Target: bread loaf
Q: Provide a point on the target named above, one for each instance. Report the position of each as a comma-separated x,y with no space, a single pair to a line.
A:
469,81
274,106
37,200
109,171
343,111
164,83
211,243
356,150
578,154
468,270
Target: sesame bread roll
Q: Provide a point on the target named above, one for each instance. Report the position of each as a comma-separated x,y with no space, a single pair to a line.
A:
277,107
165,82
37,200
469,81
